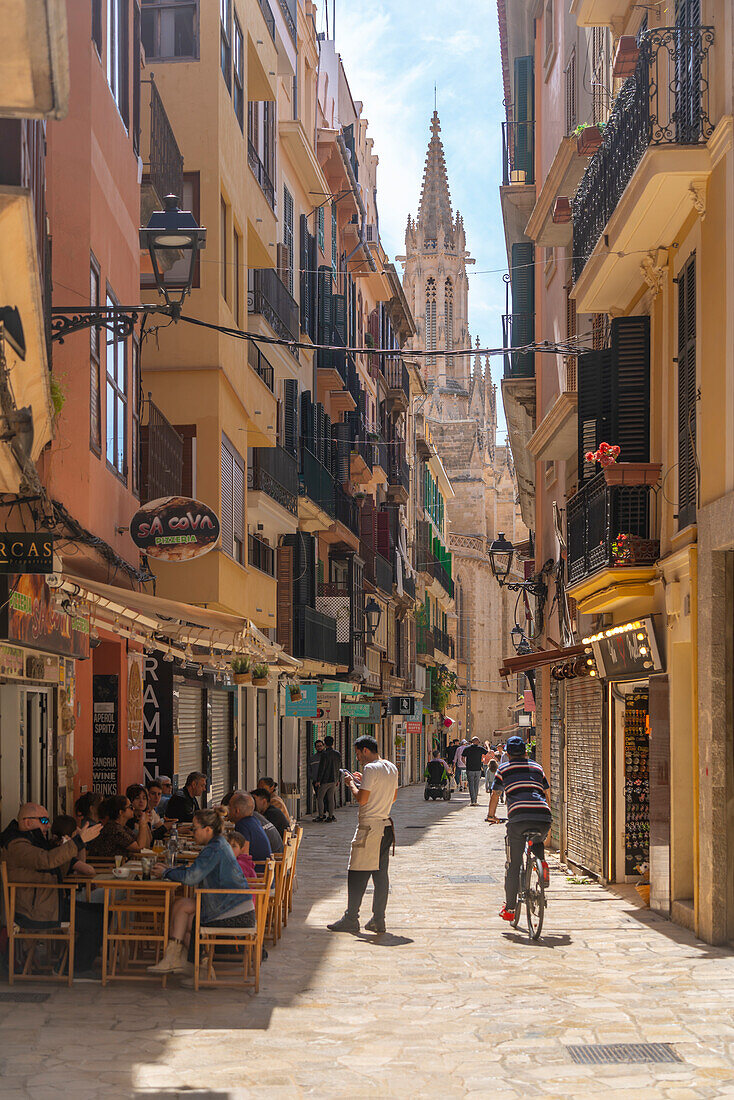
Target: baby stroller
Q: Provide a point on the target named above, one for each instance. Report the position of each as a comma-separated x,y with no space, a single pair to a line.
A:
437,781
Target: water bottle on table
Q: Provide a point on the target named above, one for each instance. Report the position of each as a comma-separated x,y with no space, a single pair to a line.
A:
172,847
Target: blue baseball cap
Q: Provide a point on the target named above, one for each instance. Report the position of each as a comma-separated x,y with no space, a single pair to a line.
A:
515,746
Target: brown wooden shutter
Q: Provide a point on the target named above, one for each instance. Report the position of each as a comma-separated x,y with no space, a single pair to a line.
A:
284,263
284,631
188,434
687,473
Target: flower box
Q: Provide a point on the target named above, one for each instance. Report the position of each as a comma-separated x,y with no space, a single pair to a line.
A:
242,677
259,681
626,57
588,140
634,550
561,211
632,473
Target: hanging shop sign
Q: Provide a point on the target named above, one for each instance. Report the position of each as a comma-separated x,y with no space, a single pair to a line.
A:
357,710
29,616
342,686
157,716
306,706
374,715
328,704
24,552
627,652
401,704
413,729
175,529
11,662
105,702
135,700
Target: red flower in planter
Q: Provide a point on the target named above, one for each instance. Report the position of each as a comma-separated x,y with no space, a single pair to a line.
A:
607,454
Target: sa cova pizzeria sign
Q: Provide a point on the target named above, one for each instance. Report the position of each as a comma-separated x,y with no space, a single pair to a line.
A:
175,529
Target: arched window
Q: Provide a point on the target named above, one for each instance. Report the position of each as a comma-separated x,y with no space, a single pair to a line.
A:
448,316
431,318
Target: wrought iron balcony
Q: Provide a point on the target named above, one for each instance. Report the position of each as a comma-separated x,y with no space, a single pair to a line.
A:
610,525
518,152
398,382
260,173
424,640
334,358
316,482
443,642
165,162
398,469
275,472
270,297
268,17
335,601
518,330
314,635
346,509
664,102
260,555
383,573
260,365
161,455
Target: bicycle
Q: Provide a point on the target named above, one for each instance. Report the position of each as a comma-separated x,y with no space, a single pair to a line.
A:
531,893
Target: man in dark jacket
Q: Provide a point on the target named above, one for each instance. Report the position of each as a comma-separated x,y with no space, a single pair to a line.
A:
184,804
473,754
327,778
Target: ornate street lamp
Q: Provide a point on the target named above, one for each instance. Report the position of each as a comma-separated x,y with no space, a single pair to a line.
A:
500,558
170,234
372,614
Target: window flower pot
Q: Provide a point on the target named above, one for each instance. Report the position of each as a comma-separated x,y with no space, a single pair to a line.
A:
561,211
259,681
632,473
626,57
242,677
634,550
588,140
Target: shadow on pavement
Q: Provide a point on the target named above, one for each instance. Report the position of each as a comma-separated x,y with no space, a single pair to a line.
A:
384,939
544,941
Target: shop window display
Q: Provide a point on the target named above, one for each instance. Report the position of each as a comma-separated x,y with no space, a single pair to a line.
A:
637,781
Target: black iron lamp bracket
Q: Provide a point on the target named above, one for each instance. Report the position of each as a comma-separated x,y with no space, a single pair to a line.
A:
120,321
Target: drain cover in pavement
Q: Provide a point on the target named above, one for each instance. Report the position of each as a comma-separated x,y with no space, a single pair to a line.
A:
469,878
28,998
622,1053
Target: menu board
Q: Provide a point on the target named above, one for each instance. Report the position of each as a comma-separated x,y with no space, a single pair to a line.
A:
636,782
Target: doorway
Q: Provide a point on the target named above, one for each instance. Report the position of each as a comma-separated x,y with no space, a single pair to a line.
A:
36,750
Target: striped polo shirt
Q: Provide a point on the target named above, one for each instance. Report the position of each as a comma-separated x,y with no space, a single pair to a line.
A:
524,784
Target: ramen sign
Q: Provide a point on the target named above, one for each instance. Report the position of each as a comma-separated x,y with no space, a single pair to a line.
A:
175,529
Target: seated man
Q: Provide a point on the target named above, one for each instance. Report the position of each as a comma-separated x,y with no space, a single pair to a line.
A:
185,803
32,858
264,806
167,788
240,811
268,784
436,772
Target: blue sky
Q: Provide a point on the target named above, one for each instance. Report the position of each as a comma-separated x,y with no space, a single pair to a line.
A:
394,51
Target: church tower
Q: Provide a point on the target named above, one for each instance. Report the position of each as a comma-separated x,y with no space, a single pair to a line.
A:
461,411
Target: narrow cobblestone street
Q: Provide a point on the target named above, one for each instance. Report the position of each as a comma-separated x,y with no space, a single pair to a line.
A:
450,1002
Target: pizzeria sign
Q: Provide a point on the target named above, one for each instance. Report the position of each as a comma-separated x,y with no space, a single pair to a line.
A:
175,529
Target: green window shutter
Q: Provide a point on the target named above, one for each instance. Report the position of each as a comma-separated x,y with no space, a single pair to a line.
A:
325,309
687,473
522,278
594,407
630,379
339,315
290,416
524,105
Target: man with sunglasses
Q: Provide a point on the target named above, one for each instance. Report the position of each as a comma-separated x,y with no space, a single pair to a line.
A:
32,858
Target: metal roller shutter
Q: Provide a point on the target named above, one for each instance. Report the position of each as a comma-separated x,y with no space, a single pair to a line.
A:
556,762
584,774
221,745
190,729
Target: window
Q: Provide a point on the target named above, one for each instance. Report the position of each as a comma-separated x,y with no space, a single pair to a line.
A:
600,50
239,74
687,395
333,239
237,260
288,236
97,25
135,410
225,19
431,319
117,55
448,314
170,29
116,402
223,242
320,222
549,37
95,425
571,112
232,512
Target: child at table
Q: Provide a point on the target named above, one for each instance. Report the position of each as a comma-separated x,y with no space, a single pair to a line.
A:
238,844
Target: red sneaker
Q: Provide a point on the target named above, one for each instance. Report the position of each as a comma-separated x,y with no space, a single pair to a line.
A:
507,914
546,874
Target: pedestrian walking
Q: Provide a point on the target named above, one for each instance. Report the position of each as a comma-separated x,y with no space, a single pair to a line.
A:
327,778
313,767
460,765
473,753
374,790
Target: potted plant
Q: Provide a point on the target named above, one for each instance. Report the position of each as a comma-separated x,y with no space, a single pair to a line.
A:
630,549
241,669
623,473
260,675
588,137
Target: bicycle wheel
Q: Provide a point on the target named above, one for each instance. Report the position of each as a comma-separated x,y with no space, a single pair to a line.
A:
518,901
534,898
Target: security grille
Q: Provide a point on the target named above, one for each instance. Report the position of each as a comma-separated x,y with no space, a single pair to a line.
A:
584,778
221,744
556,762
190,727
601,1054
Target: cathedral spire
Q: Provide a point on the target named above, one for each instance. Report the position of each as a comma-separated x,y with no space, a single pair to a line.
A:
434,212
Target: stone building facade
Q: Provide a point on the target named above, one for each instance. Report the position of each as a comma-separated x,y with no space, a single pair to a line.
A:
460,409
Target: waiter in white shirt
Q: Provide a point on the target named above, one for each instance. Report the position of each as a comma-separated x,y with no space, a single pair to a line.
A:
375,836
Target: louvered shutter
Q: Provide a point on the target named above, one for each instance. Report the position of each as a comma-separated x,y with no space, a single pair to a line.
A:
339,315
312,282
284,630
290,416
687,473
189,731
303,281
368,523
325,308
308,425
226,510
220,746
357,578
630,381
343,436
382,527
594,407
522,145
238,509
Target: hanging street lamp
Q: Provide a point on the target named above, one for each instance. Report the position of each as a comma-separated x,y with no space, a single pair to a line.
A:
501,553
373,615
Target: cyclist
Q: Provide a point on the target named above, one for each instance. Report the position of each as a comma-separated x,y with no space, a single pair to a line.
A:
525,786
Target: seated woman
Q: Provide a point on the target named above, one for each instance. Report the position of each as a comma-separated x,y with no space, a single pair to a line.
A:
217,869
115,839
86,807
142,813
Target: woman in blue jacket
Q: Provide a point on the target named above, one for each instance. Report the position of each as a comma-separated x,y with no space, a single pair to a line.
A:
217,869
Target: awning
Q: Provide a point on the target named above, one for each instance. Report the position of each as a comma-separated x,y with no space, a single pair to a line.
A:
185,625
528,661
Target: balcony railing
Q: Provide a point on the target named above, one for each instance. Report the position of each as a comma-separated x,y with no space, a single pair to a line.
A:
260,174
335,601
424,640
316,482
664,102
383,574
518,330
334,358
443,642
165,164
396,375
161,454
440,574
399,471
346,509
260,365
314,635
518,152
268,17
270,297
610,525
275,472
364,448
261,555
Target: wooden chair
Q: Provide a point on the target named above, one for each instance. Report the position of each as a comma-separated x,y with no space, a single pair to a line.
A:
62,933
292,881
291,849
249,940
273,924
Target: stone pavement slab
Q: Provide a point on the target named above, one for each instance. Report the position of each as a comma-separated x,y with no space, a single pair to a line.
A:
451,1002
